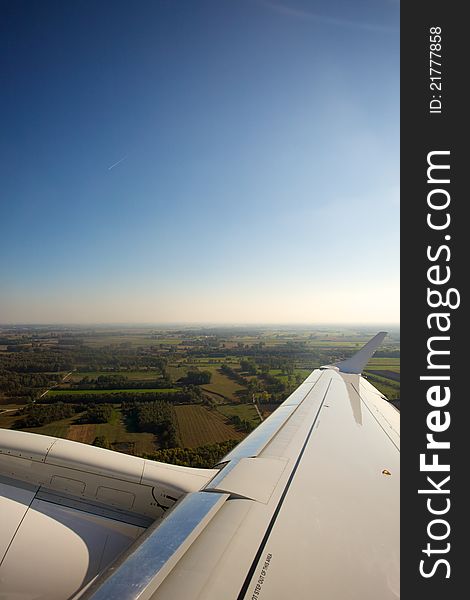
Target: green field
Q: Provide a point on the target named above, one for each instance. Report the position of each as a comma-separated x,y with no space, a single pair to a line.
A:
177,371
385,364
55,429
244,411
221,384
304,373
389,388
199,426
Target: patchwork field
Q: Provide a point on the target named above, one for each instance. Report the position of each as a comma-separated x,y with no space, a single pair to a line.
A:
35,360
220,384
55,429
117,433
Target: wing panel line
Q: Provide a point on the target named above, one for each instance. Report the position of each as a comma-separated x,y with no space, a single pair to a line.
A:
18,528
255,562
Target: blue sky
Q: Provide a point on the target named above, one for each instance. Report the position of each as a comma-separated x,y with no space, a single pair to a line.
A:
256,144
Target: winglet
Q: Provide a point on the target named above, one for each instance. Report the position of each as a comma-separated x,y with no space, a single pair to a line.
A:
358,361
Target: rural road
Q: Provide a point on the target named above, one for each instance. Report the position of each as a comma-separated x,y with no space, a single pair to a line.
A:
258,411
52,387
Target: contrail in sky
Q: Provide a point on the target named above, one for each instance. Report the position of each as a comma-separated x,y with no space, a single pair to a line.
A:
118,162
319,18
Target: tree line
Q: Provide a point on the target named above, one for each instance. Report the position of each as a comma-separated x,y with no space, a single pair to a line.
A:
116,382
203,457
154,417
189,395
36,416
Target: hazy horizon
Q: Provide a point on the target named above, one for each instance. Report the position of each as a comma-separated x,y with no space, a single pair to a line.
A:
205,325
206,162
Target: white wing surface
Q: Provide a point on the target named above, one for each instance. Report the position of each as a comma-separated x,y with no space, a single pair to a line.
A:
306,506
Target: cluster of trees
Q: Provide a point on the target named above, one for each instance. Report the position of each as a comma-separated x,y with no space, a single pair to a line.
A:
37,360
232,374
101,442
273,384
36,416
242,424
248,366
203,457
118,357
27,372
26,384
197,377
264,381
155,417
97,413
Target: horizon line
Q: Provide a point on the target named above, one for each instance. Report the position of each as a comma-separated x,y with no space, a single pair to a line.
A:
199,324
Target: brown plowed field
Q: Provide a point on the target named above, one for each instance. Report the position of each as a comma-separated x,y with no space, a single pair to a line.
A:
82,433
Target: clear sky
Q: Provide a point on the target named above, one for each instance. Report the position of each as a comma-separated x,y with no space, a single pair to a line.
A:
199,161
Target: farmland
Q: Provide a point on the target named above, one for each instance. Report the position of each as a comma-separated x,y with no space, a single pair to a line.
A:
66,391
217,380
244,411
199,426
384,364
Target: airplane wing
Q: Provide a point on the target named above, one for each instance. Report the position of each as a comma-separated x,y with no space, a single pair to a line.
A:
306,506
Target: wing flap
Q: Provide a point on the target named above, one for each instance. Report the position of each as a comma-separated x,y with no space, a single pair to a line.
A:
50,550
143,568
251,478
